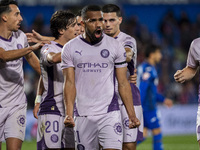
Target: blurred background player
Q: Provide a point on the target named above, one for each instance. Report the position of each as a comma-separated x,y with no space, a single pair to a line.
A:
112,20
147,83
52,112
13,47
189,72
85,59
79,19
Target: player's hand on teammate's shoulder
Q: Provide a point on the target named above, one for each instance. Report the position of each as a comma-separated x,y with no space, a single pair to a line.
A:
69,121
168,102
134,122
37,45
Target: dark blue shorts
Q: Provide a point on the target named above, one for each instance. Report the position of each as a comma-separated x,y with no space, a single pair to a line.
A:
151,119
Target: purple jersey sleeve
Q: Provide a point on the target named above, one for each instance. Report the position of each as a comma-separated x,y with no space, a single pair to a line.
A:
194,55
66,58
120,60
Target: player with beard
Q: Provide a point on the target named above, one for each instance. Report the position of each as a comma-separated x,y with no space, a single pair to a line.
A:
112,20
88,64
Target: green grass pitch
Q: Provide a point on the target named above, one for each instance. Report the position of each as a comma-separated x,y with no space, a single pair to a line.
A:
183,142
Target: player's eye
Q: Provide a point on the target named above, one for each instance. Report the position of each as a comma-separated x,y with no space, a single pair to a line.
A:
112,20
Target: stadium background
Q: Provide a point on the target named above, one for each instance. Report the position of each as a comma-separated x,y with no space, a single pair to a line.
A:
171,23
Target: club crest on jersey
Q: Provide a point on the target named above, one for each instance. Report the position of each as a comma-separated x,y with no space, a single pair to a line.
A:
126,123
118,128
146,76
19,46
21,120
125,54
54,138
105,53
80,147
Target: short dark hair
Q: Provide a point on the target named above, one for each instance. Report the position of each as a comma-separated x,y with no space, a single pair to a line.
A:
151,48
109,8
4,5
89,8
60,20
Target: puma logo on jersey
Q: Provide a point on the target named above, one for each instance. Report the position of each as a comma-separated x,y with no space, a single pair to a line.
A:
78,52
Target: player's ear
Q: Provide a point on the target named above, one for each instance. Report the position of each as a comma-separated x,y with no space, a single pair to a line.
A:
120,20
61,31
83,24
4,18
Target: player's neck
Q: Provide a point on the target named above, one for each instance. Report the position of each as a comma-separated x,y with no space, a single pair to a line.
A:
5,33
61,41
116,34
151,61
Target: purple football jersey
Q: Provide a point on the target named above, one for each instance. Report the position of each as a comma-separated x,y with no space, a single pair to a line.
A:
52,98
193,59
11,72
129,42
94,73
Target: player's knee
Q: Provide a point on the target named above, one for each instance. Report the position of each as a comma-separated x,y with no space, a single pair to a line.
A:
129,146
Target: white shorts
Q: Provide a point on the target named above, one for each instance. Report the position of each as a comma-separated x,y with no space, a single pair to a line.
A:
13,122
104,130
52,133
198,124
135,134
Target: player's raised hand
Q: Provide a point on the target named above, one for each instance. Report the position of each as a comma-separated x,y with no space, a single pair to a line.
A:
179,77
35,110
34,37
133,78
134,122
69,121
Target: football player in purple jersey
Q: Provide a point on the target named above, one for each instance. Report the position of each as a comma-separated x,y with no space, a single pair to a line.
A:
13,47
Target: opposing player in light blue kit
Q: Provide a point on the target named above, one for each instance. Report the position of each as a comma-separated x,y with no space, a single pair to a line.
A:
52,133
112,20
186,74
147,83
88,64
13,47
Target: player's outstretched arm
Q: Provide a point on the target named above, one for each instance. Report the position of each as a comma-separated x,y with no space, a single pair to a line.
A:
185,74
35,37
69,95
126,95
32,59
18,53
